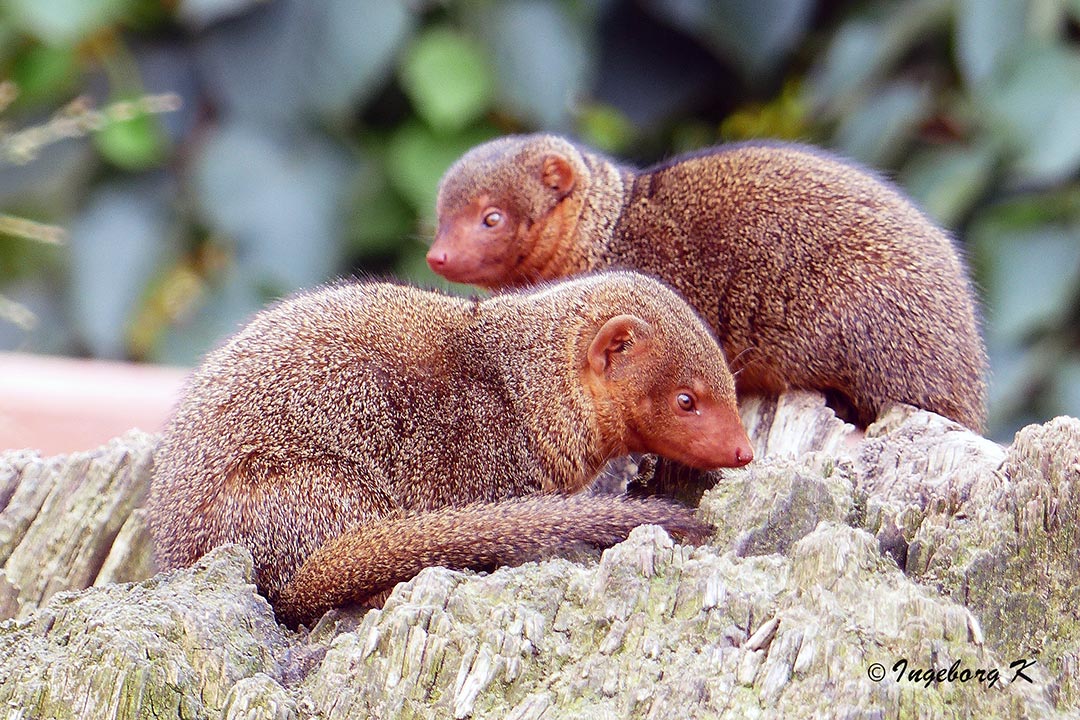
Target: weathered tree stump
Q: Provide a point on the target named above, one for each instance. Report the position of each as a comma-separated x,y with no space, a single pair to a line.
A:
844,570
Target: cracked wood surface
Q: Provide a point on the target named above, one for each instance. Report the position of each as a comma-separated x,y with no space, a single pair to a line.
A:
835,551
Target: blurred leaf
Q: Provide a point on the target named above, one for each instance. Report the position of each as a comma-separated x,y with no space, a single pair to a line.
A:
168,299
988,33
278,198
9,40
378,219
1016,371
867,46
170,68
45,73
134,144
417,158
1036,102
544,61
281,61
854,55
756,34
605,128
1031,271
946,182
353,50
1065,392
1048,20
690,136
1024,211
150,16
876,131
64,22
784,117
118,243
651,72
232,299
447,78
200,13
251,67
51,333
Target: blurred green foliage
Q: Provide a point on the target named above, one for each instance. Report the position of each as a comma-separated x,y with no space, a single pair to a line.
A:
310,136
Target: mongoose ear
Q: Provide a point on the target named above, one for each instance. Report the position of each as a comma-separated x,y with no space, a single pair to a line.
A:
557,174
620,334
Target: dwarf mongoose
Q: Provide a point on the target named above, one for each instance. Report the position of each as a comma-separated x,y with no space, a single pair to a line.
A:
814,273
353,435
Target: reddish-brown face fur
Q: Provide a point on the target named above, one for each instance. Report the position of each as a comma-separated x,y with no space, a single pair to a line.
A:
705,433
675,402
477,243
505,224
706,436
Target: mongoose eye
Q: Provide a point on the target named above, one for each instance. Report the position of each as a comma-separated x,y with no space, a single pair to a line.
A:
686,402
492,218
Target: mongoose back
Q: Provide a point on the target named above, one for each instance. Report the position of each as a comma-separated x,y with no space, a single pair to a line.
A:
814,273
353,435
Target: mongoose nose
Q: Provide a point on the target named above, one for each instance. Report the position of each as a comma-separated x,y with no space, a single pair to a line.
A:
743,455
436,259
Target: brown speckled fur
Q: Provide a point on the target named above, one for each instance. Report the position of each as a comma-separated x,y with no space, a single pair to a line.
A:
814,273
397,423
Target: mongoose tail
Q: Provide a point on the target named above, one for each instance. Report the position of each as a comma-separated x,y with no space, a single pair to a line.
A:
370,559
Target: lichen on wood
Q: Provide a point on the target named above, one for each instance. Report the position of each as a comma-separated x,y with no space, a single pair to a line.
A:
916,546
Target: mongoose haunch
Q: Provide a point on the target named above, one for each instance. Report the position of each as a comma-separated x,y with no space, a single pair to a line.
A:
351,436
814,273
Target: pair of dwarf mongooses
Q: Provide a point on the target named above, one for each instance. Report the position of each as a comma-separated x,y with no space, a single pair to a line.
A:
352,436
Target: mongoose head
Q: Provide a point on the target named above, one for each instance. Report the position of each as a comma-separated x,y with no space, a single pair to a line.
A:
507,210
661,383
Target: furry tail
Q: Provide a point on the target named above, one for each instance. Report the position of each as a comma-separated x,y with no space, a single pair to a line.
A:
372,558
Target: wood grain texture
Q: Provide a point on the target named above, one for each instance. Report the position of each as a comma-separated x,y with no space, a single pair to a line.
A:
66,520
919,541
